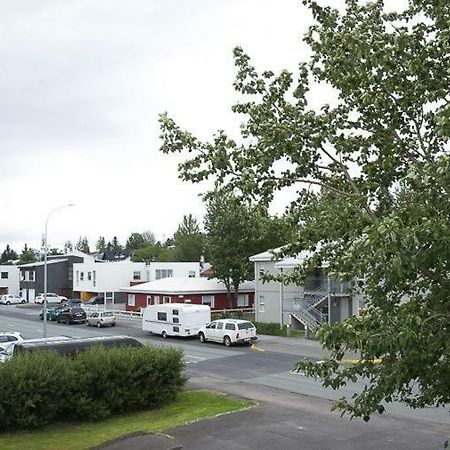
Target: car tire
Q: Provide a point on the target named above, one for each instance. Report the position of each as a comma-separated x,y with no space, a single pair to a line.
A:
113,324
164,335
202,338
23,301
67,322
99,325
8,302
88,323
227,341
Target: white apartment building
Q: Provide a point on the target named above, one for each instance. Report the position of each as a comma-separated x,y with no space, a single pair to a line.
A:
106,278
9,279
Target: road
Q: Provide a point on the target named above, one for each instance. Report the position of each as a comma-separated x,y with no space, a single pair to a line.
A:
238,370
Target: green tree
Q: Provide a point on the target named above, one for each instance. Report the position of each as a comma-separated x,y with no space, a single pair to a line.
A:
28,255
68,247
234,232
139,240
8,255
100,245
372,175
147,254
188,240
83,245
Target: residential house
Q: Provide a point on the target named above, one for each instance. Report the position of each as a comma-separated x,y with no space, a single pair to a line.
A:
106,278
9,279
198,290
320,299
59,275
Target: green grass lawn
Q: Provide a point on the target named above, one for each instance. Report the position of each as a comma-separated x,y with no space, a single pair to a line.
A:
190,406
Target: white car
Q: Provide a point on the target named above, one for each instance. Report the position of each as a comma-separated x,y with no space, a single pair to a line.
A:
51,298
11,299
10,336
228,331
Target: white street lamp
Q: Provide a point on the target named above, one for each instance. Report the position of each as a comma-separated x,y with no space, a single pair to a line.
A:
45,264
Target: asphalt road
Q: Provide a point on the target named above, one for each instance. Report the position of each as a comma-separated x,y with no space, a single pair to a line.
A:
248,373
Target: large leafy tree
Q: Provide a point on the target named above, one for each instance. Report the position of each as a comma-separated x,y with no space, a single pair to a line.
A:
372,173
235,230
139,240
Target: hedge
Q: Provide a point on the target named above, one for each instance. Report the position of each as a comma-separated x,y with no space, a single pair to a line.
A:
44,387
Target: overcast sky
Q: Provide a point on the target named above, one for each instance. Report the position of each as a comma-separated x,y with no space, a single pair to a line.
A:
81,85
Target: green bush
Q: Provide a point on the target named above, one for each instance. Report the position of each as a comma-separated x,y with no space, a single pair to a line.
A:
44,387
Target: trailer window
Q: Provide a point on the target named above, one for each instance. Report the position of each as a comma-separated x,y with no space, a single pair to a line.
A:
176,329
162,316
175,312
176,320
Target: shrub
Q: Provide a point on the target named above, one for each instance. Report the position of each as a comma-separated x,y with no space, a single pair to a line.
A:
43,387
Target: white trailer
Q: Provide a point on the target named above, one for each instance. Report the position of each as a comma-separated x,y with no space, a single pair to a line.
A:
175,319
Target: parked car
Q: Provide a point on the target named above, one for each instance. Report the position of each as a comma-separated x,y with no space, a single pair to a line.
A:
72,302
71,314
51,298
101,319
11,299
53,311
97,300
228,331
10,336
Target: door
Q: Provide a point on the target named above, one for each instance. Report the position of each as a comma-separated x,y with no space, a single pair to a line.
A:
31,295
210,331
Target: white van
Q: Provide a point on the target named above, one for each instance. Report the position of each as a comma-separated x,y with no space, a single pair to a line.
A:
175,319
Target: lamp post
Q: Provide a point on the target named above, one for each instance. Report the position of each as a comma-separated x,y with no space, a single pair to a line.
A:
45,263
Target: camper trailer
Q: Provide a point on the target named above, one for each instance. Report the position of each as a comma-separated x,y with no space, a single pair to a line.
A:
175,319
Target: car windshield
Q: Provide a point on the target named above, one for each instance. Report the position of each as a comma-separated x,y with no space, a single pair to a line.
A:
245,326
107,314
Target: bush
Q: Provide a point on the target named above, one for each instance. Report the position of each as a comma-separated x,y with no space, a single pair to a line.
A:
44,387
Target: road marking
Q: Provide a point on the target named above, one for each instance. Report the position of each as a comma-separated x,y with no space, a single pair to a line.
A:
256,349
189,359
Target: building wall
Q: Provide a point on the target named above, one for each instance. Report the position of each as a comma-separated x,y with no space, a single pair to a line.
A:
179,269
10,284
221,300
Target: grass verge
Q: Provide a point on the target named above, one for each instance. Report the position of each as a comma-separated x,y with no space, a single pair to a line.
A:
190,406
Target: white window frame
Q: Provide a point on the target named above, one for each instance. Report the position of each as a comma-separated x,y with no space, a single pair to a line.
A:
156,300
131,300
208,300
167,299
149,300
192,274
137,275
246,300
261,304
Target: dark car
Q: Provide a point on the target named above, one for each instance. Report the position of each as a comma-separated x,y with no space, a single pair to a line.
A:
52,312
72,302
66,346
97,300
71,314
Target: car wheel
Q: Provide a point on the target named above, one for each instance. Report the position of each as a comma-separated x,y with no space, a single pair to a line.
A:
8,302
67,322
23,301
164,335
113,324
202,338
99,325
227,341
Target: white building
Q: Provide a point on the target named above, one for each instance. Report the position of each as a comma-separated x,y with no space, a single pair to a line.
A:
106,278
9,280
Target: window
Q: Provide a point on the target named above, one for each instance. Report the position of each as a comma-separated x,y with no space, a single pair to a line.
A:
176,320
191,274
245,326
164,273
208,300
242,300
176,329
78,276
149,300
261,272
93,277
156,298
22,275
148,275
167,300
108,295
175,312
162,316
230,326
81,276
89,276
136,275
31,275
131,300
4,275
212,325
261,303
219,325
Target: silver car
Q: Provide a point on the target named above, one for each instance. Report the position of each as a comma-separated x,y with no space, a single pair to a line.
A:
101,319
